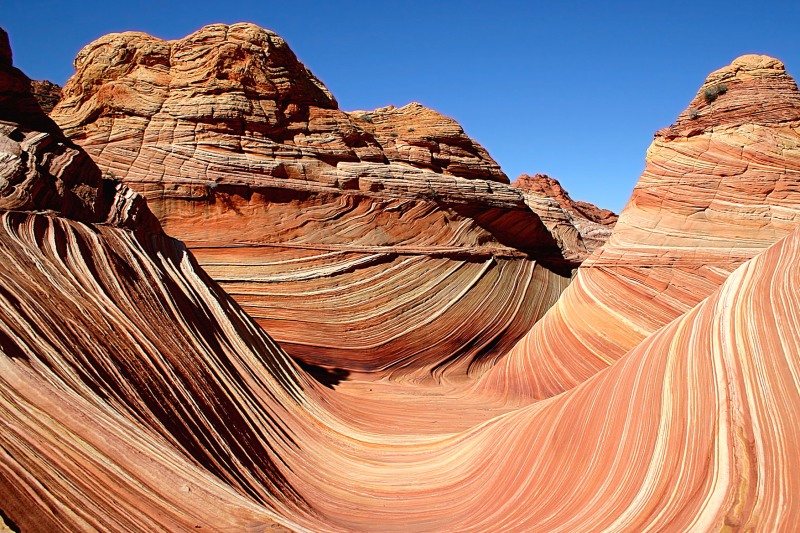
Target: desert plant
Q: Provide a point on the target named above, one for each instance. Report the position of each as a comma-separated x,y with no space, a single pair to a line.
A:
430,194
712,93
365,117
693,113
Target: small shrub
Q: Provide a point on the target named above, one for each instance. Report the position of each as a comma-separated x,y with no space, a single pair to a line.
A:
365,117
694,114
712,93
429,194
411,129
393,134
212,185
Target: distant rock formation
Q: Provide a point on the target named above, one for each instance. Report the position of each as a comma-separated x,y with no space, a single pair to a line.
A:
48,94
303,212
419,136
720,186
557,209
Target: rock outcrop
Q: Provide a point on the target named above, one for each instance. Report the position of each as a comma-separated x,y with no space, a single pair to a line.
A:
107,327
47,93
363,241
419,136
580,227
720,185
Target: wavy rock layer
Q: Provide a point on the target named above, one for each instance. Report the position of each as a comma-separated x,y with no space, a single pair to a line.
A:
364,241
694,429
109,332
720,185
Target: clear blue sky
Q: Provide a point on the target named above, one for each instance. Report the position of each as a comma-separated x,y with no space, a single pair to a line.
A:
572,89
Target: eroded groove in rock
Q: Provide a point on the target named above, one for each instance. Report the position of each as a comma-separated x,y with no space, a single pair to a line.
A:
720,185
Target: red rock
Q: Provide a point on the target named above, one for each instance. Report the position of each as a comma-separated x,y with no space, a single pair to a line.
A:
424,138
135,395
362,241
107,328
46,93
579,227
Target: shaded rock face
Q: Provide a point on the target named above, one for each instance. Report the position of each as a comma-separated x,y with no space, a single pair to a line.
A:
361,241
592,226
720,185
47,94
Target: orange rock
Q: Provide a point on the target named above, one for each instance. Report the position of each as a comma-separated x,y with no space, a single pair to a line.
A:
579,227
365,241
135,395
717,189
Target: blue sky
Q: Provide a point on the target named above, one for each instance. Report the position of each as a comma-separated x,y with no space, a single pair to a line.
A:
572,89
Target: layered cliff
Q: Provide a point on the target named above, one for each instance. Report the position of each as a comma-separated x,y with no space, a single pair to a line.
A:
720,185
364,241
107,326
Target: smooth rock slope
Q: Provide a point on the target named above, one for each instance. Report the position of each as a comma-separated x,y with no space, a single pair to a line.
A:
136,395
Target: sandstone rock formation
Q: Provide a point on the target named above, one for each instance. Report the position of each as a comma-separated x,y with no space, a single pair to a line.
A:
720,185
47,93
424,138
106,325
581,227
136,395
365,241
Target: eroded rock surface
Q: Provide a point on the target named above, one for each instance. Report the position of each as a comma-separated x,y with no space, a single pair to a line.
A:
363,241
720,185
135,395
47,93
581,227
106,327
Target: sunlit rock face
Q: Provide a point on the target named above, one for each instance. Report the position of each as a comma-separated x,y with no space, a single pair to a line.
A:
110,339
367,241
720,185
